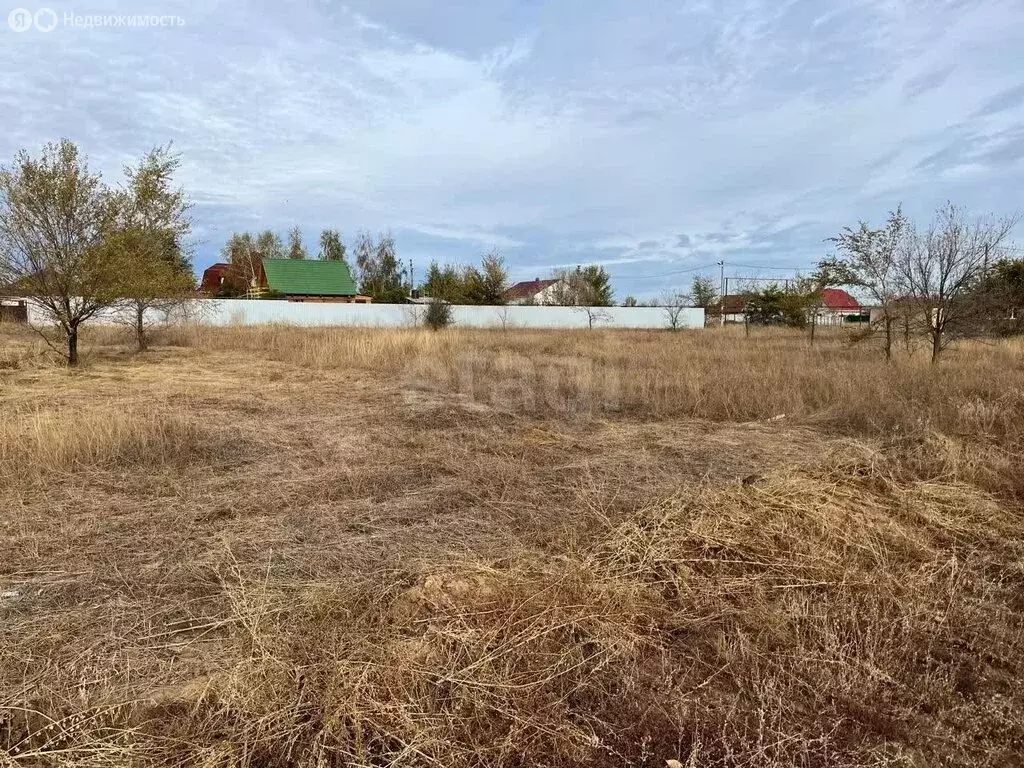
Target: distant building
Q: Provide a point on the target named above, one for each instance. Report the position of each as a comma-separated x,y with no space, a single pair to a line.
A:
734,307
13,310
309,280
535,291
836,306
213,278
312,280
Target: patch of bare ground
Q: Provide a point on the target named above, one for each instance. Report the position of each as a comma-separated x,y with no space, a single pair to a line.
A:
243,551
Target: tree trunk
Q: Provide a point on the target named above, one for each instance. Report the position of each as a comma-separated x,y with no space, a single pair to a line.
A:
938,326
73,345
888,338
140,328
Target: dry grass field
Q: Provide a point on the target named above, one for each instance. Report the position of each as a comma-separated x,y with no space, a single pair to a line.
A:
352,547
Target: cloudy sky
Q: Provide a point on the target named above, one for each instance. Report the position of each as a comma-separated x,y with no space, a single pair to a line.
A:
655,137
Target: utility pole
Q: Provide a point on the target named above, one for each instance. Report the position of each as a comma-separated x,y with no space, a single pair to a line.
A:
722,289
985,283
412,279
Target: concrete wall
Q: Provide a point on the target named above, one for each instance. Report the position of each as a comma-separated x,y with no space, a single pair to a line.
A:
250,312
243,312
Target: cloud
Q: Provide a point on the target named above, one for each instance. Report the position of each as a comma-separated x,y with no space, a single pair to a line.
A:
756,128
1007,100
927,81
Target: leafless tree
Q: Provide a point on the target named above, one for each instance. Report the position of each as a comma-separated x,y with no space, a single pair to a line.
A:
941,268
503,317
674,303
594,314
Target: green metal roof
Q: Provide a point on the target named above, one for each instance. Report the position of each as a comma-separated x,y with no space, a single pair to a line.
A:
308,277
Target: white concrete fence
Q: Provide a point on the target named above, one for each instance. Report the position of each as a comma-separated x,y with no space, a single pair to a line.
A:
256,312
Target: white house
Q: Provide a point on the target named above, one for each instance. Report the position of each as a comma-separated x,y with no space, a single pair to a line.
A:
536,291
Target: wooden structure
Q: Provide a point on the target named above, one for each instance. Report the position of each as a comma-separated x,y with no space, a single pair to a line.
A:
13,310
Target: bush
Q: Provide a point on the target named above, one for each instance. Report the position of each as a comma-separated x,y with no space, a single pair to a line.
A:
438,315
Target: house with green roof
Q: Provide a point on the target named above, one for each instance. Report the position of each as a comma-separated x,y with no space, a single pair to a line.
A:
310,280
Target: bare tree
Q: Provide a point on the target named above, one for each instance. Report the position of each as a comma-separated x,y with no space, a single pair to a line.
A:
870,257
674,303
594,314
55,220
503,316
941,268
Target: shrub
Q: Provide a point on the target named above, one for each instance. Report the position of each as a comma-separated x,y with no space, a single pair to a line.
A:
438,315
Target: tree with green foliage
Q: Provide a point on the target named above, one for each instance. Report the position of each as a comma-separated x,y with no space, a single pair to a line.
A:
56,216
776,305
1003,293
331,246
244,254
597,286
70,243
703,293
588,286
244,265
269,245
868,258
438,315
443,283
808,291
296,250
630,301
156,275
486,286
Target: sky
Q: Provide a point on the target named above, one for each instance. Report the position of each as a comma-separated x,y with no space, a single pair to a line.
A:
656,138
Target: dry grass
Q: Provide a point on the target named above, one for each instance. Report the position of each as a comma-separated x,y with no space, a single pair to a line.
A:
51,443
271,547
977,391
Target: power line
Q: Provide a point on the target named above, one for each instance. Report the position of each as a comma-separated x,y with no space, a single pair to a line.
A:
765,266
710,266
670,274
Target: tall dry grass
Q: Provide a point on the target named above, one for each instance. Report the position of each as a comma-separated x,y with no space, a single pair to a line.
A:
46,444
718,375
836,617
534,582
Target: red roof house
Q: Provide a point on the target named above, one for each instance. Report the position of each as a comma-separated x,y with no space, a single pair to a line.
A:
839,300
